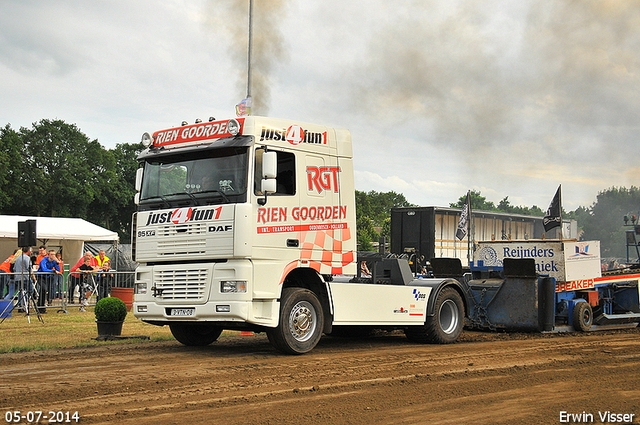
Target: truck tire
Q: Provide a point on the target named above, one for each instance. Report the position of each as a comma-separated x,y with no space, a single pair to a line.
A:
582,316
445,326
300,323
195,334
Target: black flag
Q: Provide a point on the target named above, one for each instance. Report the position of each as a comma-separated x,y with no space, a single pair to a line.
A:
553,217
464,219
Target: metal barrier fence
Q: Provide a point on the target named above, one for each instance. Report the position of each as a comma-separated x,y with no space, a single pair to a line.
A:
59,291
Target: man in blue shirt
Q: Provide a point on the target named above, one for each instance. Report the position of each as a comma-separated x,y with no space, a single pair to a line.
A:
47,269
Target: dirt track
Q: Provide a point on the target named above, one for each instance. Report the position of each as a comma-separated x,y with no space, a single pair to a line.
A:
487,378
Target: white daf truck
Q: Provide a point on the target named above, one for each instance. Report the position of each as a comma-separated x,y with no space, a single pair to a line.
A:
250,224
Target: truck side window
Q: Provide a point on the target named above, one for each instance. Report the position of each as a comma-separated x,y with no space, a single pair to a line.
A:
286,174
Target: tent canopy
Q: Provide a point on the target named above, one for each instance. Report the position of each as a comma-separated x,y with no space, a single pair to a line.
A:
57,228
62,234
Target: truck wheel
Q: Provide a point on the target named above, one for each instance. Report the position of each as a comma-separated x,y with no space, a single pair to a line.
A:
582,316
300,323
445,326
196,334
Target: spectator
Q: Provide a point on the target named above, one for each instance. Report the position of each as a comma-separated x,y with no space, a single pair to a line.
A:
87,269
105,279
101,258
42,253
58,279
48,268
102,280
22,272
5,269
74,276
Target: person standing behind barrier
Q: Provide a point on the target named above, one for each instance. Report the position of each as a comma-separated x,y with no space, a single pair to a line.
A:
12,267
42,254
5,270
58,278
87,269
74,276
106,278
101,278
48,268
101,258
22,271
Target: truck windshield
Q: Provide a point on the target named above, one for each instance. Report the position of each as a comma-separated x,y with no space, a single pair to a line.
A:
196,178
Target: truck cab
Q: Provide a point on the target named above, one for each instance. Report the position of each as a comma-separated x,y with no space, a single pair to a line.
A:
243,224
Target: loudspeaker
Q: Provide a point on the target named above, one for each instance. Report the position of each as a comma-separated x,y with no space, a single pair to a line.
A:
446,267
27,233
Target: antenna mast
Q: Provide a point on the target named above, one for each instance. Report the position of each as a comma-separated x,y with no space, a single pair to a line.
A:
250,43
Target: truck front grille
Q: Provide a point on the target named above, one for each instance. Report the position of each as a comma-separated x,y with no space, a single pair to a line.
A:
181,247
180,285
183,230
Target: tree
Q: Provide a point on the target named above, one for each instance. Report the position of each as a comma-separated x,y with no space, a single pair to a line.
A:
478,202
366,233
373,210
12,169
603,221
53,169
62,164
121,192
505,206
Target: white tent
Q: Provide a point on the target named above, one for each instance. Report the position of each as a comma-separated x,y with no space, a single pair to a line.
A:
66,234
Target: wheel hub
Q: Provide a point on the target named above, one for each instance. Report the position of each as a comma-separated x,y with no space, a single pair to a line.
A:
302,321
448,316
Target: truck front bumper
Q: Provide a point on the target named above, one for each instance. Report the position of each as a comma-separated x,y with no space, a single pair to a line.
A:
199,292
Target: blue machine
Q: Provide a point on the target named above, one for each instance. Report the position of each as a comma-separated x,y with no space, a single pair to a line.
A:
515,297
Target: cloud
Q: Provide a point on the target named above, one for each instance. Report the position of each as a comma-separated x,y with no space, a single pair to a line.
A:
511,98
417,191
528,89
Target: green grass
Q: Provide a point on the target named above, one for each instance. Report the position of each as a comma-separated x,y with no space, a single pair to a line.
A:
62,330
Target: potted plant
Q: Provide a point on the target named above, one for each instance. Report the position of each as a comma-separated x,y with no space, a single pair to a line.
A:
110,314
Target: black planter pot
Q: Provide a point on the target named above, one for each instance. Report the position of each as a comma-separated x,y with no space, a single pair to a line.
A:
109,328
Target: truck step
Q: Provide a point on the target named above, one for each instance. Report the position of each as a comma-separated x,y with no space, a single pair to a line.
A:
610,319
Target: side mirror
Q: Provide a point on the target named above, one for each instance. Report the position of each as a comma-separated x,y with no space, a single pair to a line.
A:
269,165
136,198
269,173
269,186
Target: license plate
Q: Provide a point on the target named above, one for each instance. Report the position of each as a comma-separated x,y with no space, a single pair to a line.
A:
183,311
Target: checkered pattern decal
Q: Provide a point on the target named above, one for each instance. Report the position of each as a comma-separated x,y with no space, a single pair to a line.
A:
322,250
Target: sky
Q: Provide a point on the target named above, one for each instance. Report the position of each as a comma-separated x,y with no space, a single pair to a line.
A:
511,99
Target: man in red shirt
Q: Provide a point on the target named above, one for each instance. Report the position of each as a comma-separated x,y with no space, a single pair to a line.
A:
74,279
5,267
42,253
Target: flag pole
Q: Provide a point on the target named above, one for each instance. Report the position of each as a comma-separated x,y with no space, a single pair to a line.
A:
464,226
469,229
560,207
244,107
249,49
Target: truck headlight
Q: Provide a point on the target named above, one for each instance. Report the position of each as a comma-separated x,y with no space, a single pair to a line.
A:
141,288
227,286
